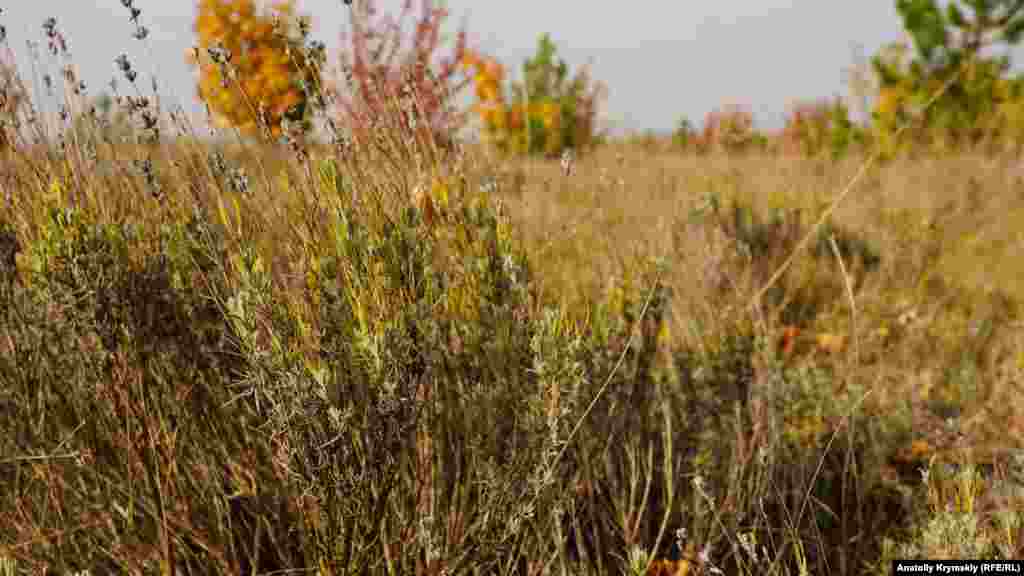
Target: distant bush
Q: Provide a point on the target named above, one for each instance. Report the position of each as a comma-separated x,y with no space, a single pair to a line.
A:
729,129
684,135
816,127
546,113
13,97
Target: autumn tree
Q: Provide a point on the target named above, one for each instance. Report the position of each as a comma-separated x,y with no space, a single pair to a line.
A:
255,70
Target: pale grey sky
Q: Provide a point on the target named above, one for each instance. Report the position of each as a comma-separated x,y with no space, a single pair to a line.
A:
661,59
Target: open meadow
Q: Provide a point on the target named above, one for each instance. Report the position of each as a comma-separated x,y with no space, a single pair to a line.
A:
358,343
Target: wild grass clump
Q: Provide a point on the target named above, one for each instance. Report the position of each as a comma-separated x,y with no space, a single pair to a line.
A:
852,395
415,411
128,364
763,242
211,405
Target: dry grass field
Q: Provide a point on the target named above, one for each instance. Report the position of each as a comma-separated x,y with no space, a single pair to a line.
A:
405,357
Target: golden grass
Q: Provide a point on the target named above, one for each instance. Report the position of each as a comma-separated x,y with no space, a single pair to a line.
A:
624,202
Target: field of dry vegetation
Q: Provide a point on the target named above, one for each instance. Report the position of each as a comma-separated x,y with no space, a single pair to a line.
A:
388,351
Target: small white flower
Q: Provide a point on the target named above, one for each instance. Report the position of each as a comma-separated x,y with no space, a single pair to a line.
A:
705,555
567,162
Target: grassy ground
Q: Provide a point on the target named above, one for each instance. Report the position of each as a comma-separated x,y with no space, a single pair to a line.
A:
239,359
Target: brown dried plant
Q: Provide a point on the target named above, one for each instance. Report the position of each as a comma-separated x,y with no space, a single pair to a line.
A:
13,97
380,66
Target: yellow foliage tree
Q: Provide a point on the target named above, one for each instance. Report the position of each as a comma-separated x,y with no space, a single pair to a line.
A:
255,71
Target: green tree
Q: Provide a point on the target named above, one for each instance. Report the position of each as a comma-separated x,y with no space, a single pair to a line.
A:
950,45
546,80
945,38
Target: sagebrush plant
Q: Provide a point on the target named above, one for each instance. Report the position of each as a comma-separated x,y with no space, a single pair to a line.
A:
684,135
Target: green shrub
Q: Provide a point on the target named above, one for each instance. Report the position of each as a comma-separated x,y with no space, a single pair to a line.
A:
762,242
814,128
731,130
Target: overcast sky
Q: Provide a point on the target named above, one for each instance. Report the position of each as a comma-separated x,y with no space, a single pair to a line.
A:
662,59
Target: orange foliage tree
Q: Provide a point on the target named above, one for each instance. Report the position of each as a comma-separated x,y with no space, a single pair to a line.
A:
547,113
256,73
